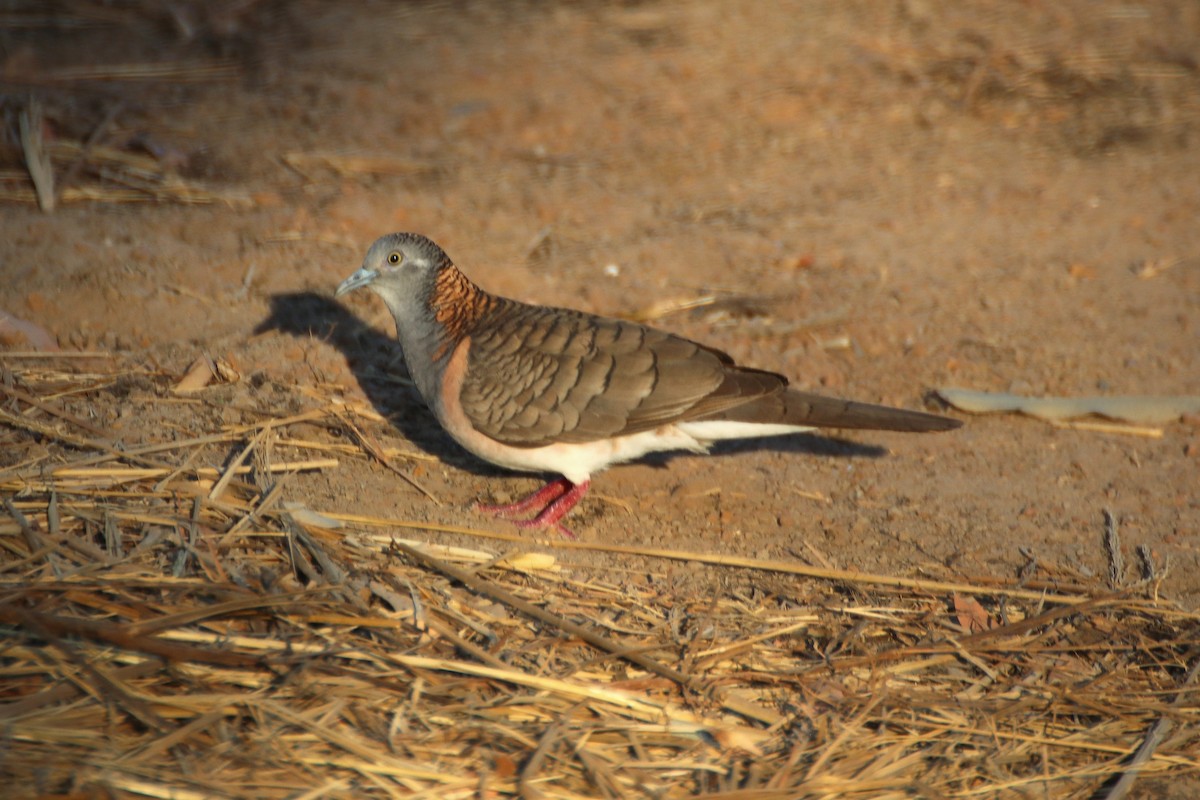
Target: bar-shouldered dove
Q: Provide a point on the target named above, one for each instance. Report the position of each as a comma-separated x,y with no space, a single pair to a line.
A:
543,389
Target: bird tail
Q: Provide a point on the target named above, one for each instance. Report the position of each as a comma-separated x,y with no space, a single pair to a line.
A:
803,409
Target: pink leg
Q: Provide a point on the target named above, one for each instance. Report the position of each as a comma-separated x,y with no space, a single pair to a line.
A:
560,495
543,496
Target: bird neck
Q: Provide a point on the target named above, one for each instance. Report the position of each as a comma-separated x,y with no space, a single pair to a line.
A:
456,303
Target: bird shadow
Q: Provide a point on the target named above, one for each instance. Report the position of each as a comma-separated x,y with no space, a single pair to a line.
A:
810,444
377,362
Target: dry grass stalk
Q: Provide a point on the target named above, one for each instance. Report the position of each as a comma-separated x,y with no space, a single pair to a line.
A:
41,172
223,644
177,71
120,176
1111,427
351,165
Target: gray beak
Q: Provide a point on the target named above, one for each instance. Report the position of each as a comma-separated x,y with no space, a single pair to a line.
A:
359,279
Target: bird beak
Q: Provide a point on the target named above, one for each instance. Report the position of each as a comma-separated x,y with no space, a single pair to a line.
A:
360,278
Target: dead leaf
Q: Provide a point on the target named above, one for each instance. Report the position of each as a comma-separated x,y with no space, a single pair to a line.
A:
199,375
971,615
226,371
202,372
14,330
1145,410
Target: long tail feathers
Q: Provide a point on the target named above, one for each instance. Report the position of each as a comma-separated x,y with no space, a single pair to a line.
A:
828,412
802,409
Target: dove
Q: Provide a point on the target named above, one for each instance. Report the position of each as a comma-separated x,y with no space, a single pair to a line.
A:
552,390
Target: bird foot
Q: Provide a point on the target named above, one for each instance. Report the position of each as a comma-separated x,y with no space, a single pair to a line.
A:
556,498
544,496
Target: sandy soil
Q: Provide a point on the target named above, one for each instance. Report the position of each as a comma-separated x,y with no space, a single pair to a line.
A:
883,198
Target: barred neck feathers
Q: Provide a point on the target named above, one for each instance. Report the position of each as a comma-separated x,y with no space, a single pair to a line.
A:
456,303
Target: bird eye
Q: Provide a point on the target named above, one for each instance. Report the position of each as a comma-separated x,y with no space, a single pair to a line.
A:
394,257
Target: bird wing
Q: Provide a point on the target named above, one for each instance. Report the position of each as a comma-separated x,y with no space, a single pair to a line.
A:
537,376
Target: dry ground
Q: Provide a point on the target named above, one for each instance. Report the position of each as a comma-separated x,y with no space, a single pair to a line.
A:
878,199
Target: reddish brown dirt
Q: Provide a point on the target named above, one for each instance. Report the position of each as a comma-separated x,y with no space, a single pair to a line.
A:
887,198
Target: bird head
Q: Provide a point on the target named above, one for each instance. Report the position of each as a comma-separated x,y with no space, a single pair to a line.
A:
399,265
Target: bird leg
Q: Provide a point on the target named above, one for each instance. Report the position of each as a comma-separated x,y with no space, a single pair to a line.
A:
559,497
542,497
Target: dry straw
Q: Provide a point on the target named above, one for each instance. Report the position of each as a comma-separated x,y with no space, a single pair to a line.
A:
173,629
